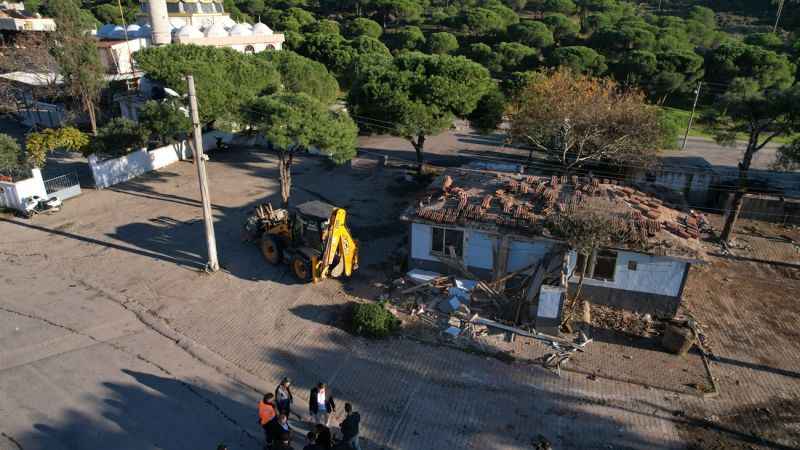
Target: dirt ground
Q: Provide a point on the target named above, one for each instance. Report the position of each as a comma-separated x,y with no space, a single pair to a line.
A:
625,390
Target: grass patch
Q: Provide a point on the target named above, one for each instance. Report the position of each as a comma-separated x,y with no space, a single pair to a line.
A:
704,130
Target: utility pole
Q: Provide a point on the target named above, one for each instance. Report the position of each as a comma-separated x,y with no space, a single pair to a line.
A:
778,15
200,163
691,116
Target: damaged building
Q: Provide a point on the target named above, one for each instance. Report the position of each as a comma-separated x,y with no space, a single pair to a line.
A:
493,224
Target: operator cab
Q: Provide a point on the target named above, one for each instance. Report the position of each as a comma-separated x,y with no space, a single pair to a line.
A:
311,221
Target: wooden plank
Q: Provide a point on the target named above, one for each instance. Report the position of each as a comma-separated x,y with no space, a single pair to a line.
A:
425,284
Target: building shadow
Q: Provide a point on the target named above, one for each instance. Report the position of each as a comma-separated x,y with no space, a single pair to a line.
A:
427,397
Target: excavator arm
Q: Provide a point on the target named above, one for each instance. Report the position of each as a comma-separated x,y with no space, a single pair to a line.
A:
339,242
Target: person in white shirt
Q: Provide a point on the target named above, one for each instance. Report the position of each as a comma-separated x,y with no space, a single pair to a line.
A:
321,404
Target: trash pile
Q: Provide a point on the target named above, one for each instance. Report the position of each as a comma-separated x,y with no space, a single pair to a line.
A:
460,307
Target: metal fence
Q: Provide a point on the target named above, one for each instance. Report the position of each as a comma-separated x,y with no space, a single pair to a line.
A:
64,186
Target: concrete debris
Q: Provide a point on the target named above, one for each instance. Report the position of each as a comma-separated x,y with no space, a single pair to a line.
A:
452,332
418,276
449,305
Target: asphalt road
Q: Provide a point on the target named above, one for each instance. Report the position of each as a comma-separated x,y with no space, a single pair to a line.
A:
77,370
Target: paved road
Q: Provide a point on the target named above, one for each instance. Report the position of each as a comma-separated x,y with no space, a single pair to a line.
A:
79,371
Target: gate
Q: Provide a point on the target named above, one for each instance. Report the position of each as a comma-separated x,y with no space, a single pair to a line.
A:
64,187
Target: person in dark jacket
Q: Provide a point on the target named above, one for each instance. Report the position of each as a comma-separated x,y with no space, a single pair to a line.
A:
350,426
324,437
284,397
284,442
311,441
278,426
321,404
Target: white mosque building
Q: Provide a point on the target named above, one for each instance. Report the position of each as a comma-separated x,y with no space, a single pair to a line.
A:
199,22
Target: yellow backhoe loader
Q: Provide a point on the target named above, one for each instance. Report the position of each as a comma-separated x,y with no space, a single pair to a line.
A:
312,238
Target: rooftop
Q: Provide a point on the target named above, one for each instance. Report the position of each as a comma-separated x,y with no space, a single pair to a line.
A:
526,206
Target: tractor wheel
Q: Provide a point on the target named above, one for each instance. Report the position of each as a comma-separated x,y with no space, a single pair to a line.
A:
270,249
301,268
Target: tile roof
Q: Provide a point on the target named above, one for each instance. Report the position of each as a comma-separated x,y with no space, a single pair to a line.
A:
524,205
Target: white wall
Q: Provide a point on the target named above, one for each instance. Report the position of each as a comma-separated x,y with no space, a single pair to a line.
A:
12,194
421,242
654,274
522,254
118,170
478,250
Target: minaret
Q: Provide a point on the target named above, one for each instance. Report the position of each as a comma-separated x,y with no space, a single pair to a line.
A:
161,33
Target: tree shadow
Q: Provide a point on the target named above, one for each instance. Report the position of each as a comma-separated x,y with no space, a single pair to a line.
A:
152,411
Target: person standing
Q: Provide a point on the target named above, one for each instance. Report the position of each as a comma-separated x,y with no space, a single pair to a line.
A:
350,427
321,404
266,414
284,397
311,441
283,442
279,426
324,438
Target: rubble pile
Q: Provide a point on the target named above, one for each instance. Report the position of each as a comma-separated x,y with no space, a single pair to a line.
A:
631,323
458,308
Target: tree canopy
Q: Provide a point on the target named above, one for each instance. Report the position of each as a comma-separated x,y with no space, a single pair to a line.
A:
575,119
417,95
301,74
224,78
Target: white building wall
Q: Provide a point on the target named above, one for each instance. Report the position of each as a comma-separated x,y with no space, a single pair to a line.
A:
522,254
478,250
421,242
12,194
654,274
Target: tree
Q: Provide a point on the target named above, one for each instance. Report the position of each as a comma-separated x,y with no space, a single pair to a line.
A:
332,50
417,95
39,144
77,57
364,45
703,15
482,21
224,77
165,121
531,33
393,11
409,38
11,162
575,119
762,114
562,27
301,74
579,59
483,54
486,117
620,39
737,60
119,136
559,6
516,57
295,19
362,26
294,122
442,43
323,26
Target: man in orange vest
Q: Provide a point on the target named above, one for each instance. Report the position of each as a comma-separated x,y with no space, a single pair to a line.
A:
266,414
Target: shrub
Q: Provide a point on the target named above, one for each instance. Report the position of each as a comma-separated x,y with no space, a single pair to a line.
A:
10,160
374,320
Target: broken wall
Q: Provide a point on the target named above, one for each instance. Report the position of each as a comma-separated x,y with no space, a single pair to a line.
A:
642,283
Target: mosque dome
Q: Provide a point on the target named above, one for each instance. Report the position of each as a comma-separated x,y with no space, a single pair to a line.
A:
262,29
216,30
240,29
188,31
117,33
133,30
106,30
